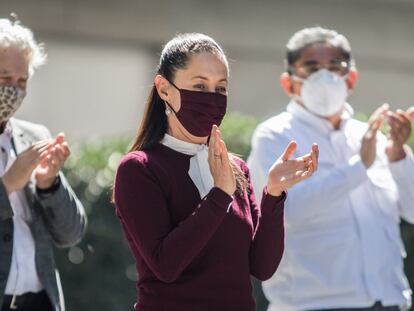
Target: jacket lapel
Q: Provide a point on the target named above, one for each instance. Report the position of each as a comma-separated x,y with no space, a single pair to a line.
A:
21,141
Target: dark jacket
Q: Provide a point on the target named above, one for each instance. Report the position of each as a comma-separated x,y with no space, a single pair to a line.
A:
57,220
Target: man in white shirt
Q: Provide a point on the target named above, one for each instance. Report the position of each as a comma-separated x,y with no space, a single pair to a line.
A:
38,209
343,249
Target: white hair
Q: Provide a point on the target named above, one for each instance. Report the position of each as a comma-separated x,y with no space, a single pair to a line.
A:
308,36
312,35
12,34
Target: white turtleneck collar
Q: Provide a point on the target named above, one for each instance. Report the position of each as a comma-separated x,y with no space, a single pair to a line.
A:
199,170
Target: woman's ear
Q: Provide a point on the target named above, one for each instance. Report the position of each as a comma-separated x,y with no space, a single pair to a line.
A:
352,78
162,86
286,83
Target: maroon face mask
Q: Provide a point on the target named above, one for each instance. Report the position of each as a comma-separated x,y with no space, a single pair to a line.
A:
199,111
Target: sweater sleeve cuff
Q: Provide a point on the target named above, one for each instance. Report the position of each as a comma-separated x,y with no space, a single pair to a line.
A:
220,198
269,200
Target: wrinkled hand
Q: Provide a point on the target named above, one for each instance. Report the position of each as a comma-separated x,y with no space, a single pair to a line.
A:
285,173
368,149
19,173
399,133
219,162
49,167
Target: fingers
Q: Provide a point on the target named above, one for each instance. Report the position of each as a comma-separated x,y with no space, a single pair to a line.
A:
40,145
299,176
376,120
380,111
217,148
220,149
212,142
34,154
65,149
224,155
308,164
60,138
315,156
400,126
217,145
289,151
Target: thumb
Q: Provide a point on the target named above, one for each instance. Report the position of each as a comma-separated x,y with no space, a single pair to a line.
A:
60,138
290,149
377,118
376,124
410,113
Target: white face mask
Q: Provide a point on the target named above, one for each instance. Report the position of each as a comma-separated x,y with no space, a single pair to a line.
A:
324,93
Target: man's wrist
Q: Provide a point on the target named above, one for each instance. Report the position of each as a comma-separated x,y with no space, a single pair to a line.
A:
396,154
47,183
53,187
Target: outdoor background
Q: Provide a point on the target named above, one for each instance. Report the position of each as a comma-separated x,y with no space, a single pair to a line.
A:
102,59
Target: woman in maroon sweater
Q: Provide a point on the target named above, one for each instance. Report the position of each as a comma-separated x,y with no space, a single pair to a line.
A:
186,205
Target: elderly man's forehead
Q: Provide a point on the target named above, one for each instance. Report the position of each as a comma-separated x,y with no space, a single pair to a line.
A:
320,51
13,60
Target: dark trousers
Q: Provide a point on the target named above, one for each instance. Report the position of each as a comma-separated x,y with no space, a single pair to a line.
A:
376,307
28,302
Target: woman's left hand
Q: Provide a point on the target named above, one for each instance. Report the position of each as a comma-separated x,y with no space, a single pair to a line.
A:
285,173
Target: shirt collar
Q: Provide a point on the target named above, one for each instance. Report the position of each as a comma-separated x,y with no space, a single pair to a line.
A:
181,146
315,121
7,134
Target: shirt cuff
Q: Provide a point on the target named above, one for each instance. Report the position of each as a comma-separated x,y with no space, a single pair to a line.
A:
403,168
45,193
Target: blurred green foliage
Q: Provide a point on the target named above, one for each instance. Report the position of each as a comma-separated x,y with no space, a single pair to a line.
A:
99,273
237,130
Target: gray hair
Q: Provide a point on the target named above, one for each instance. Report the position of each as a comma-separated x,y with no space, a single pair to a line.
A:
13,34
308,36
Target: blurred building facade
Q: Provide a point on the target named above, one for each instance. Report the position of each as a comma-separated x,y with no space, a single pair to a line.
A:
103,54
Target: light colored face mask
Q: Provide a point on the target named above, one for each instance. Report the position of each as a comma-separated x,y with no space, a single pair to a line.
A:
11,97
324,93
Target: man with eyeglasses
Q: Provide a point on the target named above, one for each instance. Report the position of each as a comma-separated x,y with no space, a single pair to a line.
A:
343,246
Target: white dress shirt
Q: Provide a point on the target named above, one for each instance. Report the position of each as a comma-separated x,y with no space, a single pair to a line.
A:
23,276
343,247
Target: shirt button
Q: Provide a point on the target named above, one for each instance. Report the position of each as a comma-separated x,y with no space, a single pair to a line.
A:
7,237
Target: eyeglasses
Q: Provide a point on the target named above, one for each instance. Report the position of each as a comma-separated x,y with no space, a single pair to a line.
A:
340,67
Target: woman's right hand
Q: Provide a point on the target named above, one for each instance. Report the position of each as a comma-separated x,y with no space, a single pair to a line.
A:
219,162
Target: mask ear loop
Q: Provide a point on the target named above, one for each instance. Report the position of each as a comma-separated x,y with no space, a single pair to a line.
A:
168,107
172,84
296,78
